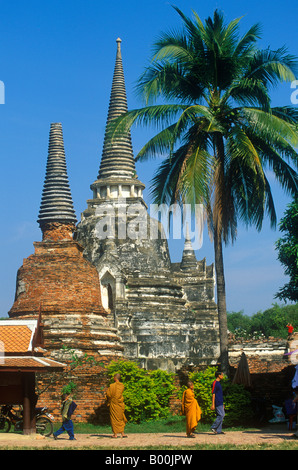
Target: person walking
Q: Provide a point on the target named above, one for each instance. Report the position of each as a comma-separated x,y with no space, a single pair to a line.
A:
67,408
116,406
290,331
191,410
218,404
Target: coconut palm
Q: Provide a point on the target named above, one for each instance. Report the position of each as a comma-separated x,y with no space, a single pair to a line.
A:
219,135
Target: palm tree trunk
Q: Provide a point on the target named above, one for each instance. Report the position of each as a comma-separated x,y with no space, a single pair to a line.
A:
221,302
219,220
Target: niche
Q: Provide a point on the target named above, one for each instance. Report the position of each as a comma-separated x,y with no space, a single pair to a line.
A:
108,289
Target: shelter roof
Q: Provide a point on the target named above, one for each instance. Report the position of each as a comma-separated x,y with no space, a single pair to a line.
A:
18,351
29,364
16,336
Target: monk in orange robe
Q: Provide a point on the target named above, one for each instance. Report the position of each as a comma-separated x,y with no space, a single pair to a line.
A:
191,410
116,405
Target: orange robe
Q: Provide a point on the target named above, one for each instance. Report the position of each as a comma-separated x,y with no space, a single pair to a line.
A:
116,405
191,409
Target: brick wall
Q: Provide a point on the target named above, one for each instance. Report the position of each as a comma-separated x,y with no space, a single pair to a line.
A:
92,383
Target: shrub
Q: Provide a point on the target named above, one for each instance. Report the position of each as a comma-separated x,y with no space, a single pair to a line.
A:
238,406
146,394
237,400
202,387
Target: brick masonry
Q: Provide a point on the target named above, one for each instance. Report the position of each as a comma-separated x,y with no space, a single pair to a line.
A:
60,282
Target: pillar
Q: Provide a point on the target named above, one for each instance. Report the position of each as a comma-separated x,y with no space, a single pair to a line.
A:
29,402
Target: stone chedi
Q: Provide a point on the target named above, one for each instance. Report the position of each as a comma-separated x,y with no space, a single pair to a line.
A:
164,312
57,280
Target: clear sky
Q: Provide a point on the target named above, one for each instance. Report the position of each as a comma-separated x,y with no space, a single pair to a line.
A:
56,61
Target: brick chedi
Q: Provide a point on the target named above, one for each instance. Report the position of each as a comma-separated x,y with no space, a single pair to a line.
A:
57,279
165,312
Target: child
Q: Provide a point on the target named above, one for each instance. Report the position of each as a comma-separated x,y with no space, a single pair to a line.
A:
67,408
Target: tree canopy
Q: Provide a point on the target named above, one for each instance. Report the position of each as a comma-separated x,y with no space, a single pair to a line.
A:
287,248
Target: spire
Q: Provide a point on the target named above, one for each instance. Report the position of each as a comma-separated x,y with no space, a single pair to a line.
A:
189,260
56,203
117,157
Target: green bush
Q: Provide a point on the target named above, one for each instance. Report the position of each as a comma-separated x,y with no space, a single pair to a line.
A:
237,405
146,394
237,400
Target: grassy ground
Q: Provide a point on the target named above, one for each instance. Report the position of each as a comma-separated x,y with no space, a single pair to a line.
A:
287,445
171,424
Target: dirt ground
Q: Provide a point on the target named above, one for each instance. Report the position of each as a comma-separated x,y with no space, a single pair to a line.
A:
270,435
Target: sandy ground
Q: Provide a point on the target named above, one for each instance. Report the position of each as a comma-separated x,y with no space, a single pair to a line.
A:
272,435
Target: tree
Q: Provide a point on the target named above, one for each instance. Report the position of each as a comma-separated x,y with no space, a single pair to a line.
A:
219,134
288,252
271,322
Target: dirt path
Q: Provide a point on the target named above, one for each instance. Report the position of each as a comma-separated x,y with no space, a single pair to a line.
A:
105,441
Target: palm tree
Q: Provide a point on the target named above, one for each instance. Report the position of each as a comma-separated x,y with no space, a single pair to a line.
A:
219,134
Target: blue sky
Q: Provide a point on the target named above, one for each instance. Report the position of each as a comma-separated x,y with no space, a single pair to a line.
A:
56,61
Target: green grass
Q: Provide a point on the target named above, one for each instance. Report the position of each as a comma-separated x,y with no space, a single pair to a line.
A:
170,424
288,445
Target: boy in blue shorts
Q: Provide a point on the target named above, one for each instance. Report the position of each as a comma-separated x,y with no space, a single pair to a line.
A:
67,408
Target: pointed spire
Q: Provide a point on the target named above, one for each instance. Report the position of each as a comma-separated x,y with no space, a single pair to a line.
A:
56,203
189,260
117,157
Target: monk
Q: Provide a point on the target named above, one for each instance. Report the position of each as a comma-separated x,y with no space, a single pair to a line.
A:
191,409
116,405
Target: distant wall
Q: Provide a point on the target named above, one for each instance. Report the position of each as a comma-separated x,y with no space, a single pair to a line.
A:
271,369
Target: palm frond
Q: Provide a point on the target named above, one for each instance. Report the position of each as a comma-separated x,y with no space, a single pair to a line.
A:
248,91
271,125
272,67
246,44
156,116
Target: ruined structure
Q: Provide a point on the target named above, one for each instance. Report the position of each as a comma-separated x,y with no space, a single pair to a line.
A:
164,312
106,287
57,280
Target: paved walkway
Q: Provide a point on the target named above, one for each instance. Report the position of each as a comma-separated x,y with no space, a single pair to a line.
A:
243,438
